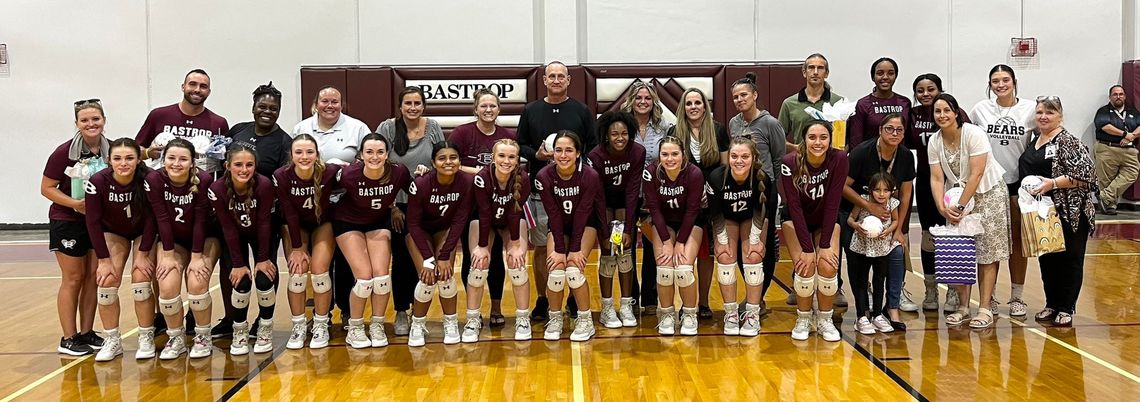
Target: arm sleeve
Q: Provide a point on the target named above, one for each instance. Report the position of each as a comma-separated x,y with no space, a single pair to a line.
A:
417,199
288,210
791,196
855,126
785,119
485,207
264,218
632,191
146,133
653,204
458,219
835,193
149,234
553,214
722,139
201,215
229,228
94,205
694,190
161,210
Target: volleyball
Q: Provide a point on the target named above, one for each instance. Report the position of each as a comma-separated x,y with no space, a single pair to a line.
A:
952,196
873,225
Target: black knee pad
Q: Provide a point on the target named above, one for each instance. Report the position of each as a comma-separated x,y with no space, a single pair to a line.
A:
263,282
243,285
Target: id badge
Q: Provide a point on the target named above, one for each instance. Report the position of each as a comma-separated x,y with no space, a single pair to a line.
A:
1050,151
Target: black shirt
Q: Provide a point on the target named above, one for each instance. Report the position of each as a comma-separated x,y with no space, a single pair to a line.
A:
1033,161
865,162
539,119
272,150
722,144
1107,115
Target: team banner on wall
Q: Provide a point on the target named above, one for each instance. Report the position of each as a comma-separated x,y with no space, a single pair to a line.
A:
461,90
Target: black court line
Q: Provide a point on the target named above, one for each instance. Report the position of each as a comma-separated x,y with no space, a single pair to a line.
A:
879,363
252,374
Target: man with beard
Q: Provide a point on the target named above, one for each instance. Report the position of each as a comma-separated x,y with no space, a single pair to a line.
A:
186,119
1117,127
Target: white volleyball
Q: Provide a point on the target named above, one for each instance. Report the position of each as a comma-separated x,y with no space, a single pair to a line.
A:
549,142
1030,183
952,197
873,225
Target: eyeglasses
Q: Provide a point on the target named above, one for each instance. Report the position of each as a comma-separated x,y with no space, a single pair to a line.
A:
79,103
893,130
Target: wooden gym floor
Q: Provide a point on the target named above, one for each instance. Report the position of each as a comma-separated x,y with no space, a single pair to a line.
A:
1097,359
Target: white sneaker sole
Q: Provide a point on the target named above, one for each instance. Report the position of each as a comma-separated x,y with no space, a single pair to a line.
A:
295,345
379,344
749,334
144,356
582,339
523,336
107,359
318,345
418,343
551,336
171,357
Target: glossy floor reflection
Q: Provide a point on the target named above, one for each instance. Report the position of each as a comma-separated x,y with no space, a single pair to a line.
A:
1097,359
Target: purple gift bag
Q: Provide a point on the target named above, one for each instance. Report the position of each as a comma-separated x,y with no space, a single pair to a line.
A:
955,260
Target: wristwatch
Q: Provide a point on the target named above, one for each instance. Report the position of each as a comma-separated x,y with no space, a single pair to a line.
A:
960,207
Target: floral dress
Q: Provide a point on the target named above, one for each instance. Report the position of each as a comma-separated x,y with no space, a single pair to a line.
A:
993,245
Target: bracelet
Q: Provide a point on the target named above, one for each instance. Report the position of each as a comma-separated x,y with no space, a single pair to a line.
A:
1054,183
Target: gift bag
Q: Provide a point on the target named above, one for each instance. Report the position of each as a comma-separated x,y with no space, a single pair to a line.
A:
81,172
1041,231
836,113
955,259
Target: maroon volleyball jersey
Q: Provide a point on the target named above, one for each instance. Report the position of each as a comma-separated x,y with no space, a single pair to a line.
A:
496,203
475,147
817,206
110,210
433,208
621,185
570,204
239,222
170,119
674,203
298,201
180,212
367,201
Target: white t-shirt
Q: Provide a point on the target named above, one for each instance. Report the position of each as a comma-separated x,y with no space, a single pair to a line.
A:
340,141
1008,130
973,143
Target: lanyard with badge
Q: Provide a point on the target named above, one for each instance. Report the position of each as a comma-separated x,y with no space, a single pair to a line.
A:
890,165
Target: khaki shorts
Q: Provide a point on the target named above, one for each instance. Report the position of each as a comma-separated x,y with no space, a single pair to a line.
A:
540,230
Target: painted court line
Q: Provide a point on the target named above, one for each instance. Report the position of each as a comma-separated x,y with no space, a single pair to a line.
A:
576,367
75,362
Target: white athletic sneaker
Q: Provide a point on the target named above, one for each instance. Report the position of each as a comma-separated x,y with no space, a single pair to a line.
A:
264,342
522,325
952,302
112,346
417,334
750,322
240,343
905,303
731,319
628,318
882,324
472,327
609,316
297,334
146,344
666,320
451,329
320,337
864,326
930,302
553,329
583,327
403,323
688,321
825,328
376,332
356,337
203,345
175,345
804,326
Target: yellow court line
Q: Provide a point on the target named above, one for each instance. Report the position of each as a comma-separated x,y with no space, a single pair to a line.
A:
1063,344
576,363
60,370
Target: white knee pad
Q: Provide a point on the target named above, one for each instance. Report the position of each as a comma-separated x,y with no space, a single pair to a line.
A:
556,281
607,266
200,302
141,291
665,275
827,286
382,285
108,296
362,288
754,274
424,292
518,276
477,278
574,277
322,283
239,299
625,263
448,288
684,276
266,298
298,283
805,285
726,274
170,306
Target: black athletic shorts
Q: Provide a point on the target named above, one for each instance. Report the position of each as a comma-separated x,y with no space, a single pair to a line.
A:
342,227
69,238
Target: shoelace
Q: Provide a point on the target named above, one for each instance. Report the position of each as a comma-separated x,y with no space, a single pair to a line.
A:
298,331
201,341
355,332
802,324
522,324
473,324
320,330
451,325
146,337
752,319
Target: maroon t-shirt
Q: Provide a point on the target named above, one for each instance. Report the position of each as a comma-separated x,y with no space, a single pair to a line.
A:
498,207
621,185
367,201
818,207
110,210
54,169
170,119
298,201
570,204
180,212
475,147
239,222
674,203
869,113
433,208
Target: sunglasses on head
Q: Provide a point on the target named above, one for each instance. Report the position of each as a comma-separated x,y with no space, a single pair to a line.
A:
1052,98
79,103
